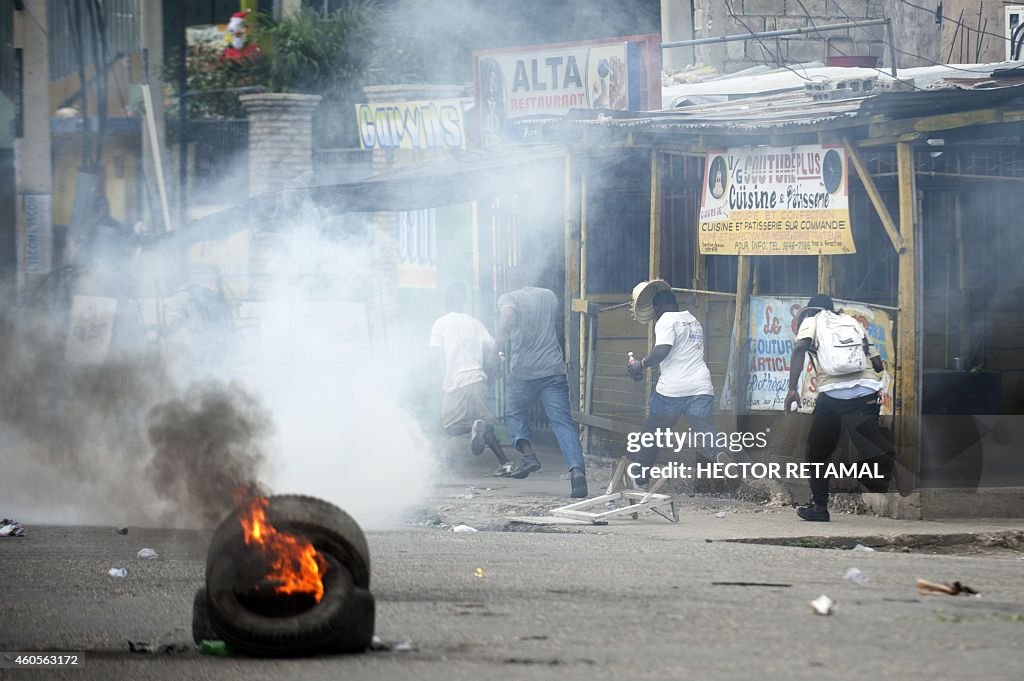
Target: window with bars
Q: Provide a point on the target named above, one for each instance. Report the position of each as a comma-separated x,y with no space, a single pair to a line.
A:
118,21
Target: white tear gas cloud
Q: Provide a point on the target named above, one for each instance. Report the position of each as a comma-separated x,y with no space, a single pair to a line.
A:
443,33
334,378
297,392
115,443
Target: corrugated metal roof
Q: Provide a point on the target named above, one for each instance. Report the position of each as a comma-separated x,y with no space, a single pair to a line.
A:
795,109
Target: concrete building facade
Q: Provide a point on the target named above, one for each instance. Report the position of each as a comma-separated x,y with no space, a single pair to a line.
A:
917,36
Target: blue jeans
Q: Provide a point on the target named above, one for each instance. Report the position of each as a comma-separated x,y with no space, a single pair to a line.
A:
664,412
553,392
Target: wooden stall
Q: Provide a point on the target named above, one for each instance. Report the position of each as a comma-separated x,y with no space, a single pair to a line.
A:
932,180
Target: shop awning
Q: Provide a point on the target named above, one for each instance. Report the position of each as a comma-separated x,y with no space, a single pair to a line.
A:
441,181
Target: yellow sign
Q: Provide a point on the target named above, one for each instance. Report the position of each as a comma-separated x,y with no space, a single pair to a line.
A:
774,201
438,124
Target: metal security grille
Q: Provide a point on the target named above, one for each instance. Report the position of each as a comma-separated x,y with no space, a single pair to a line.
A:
220,153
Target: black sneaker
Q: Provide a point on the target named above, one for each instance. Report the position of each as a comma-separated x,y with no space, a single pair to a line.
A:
527,465
579,484
813,513
476,439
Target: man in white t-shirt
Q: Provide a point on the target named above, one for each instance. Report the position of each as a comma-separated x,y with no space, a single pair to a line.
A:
464,343
850,401
684,387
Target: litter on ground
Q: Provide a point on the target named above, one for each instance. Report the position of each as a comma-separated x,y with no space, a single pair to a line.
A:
823,605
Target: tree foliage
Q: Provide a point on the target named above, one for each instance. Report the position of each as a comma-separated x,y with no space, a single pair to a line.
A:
333,56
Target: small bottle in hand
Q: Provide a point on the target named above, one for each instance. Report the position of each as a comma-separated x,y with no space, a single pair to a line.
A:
635,368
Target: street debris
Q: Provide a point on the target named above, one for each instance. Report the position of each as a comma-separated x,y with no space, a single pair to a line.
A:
856,576
479,572
378,645
117,572
122,530
10,528
147,554
823,605
463,528
164,649
949,589
215,648
720,514
860,548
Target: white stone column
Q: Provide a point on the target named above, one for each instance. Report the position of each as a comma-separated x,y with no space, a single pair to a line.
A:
280,138
32,150
676,24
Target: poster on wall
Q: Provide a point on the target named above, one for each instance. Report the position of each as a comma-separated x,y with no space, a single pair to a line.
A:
35,234
437,124
776,201
547,81
417,248
772,334
91,329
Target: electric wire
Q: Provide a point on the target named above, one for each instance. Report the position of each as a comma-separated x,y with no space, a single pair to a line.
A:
764,47
886,42
952,21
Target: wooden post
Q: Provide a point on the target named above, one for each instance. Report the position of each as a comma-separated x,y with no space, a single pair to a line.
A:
588,388
655,240
961,267
876,198
572,252
908,341
825,274
700,269
741,323
583,285
654,258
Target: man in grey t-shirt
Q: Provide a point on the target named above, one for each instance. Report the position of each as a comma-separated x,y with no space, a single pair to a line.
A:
529,317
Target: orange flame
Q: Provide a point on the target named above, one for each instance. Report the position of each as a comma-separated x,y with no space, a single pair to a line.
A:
296,567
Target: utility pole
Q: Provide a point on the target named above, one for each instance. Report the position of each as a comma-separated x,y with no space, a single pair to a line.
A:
182,114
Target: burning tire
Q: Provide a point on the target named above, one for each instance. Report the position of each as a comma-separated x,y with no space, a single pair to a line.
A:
202,630
326,525
276,619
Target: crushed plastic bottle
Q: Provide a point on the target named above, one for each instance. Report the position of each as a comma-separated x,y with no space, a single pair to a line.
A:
856,576
117,572
215,648
147,554
823,605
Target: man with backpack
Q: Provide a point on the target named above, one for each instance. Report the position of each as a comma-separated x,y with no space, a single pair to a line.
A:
849,393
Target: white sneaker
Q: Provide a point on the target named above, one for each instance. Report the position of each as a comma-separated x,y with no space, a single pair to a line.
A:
504,470
476,438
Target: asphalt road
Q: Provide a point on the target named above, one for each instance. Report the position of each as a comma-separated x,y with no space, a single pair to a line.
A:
566,606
